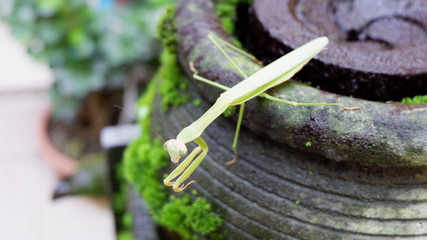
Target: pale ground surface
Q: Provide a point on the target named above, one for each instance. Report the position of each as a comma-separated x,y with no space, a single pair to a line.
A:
26,180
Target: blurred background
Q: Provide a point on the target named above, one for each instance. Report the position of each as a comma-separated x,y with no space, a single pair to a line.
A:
68,69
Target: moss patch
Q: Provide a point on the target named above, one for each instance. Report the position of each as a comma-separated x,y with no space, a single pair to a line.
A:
227,12
229,111
166,30
188,215
119,205
173,83
126,233
144,159
415,100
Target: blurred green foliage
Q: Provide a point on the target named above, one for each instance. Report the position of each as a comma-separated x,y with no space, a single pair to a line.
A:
89,47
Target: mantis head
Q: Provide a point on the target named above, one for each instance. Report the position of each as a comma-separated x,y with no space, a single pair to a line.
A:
176,149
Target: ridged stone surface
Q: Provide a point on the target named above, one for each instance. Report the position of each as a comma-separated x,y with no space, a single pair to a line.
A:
277,192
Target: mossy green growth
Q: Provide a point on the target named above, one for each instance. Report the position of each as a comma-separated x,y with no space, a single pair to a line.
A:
182,214
126,233
173,83
145,157
199,216
166,29
226,10
229,111
143,160
415,100
119,205
197,102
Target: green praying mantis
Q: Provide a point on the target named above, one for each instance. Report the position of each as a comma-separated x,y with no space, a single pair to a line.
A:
252,86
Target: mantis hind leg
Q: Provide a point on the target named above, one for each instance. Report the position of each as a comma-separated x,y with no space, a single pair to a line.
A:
236,134
297,104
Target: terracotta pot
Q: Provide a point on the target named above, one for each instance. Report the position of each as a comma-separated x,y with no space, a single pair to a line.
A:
362,176
63,165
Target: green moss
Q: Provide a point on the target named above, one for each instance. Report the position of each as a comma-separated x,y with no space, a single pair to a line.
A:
182,214
119,204
197,102
199,216
229,111
227,12
173,217
126,233
144,159
172,81
415,100
125,236
166,29
308,83
145,156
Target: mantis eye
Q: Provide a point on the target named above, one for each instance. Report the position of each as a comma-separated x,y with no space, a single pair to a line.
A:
176,149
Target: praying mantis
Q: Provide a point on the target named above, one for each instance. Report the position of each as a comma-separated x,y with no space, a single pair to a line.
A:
252,86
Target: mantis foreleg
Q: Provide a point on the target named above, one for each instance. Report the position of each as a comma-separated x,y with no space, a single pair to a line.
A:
187,167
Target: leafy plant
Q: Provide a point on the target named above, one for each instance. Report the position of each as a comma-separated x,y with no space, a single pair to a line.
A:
89,47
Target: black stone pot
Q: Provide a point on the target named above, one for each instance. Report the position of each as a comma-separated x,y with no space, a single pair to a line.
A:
378,49
363,175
